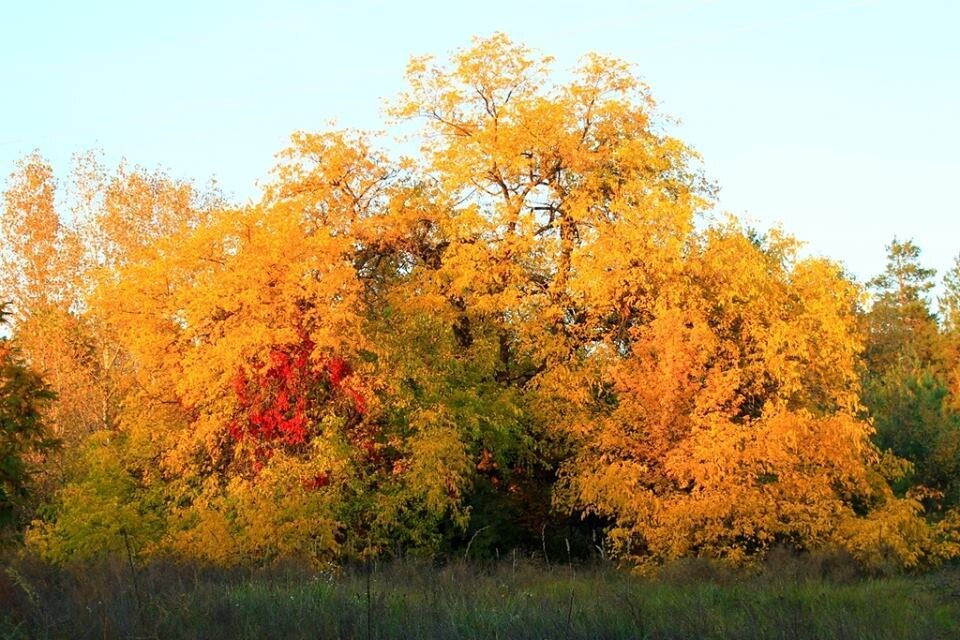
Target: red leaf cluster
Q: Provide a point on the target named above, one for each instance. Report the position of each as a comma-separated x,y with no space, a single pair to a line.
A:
276,406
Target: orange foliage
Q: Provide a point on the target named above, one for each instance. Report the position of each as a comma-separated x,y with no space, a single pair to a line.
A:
340,366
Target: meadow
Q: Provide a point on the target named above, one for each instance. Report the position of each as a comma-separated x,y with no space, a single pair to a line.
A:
788,598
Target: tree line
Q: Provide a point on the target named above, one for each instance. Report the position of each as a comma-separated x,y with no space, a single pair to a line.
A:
530,331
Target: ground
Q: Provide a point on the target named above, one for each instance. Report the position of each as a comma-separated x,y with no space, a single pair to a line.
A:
512,599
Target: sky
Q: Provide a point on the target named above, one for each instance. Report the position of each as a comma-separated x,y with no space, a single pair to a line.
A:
838,120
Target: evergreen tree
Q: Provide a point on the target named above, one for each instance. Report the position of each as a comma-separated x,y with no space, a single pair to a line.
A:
902,330
906,380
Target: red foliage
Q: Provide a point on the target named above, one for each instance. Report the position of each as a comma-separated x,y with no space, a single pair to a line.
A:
338,369
276,407
318,481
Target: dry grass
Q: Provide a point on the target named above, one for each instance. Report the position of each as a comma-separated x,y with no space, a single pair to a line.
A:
790,599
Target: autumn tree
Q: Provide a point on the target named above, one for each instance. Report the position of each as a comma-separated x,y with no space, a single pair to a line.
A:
524,323
728,418
59,243
537,177
258,407
36,266
571,235
40,273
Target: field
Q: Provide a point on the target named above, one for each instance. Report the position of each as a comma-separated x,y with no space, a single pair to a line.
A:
511,599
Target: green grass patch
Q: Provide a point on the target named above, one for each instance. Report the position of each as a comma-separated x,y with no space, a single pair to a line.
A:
509,600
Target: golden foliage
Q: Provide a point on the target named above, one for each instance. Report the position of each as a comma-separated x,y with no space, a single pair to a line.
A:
339,368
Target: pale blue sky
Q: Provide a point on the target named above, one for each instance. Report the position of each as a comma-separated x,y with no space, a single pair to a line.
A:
838,119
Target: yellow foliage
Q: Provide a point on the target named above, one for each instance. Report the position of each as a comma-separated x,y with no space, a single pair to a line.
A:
335,369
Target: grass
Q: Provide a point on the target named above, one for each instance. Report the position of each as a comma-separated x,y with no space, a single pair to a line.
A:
508,600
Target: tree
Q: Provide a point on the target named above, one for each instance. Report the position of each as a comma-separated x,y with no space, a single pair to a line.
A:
700,379
914,421
950,300
385,356
38,259
906,378
902,331
23,434
950,319
727,421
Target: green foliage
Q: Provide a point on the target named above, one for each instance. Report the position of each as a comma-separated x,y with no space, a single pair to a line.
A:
23,435
906,380
479,423
104,510
913,420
